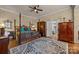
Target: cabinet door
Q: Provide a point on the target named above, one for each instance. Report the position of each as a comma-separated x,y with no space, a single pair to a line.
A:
62,31
62,28
70,32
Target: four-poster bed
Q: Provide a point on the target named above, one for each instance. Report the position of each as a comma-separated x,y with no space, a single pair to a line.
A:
24,36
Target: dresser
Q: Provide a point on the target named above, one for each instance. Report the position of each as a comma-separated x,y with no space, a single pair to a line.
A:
66,31
41,27
4,45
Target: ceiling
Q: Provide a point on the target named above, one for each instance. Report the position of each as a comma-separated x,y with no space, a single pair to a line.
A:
25,10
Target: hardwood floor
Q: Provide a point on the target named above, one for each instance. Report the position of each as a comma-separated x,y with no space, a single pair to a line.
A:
72,48
12,43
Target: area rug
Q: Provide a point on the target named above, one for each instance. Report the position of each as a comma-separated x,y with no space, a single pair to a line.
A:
41,46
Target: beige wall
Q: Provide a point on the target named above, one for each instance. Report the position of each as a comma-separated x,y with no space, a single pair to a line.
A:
7,16
76,24
4,15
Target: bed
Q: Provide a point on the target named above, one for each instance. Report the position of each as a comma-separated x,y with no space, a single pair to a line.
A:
25,36
29,35
41,46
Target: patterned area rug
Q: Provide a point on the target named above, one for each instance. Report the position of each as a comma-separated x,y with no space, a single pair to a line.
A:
41,46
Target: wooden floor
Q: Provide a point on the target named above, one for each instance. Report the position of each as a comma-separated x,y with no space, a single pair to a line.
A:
12,43
72,48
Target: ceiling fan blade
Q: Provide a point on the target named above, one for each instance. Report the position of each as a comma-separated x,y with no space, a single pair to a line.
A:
39,9
32,10
36,6
31,7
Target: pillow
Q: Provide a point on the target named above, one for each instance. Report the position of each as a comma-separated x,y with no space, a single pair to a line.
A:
22,30
29,29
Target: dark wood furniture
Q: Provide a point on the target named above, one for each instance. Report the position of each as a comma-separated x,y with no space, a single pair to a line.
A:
4,45
27,37
41,27
66,31
2,32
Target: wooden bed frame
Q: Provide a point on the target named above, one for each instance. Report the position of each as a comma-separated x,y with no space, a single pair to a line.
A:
19,33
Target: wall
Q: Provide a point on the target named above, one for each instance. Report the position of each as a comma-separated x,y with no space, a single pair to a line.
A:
4,15
7,16
52,29
76,24
27,20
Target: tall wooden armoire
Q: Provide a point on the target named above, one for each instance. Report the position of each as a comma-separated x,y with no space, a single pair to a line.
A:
66,31
41,27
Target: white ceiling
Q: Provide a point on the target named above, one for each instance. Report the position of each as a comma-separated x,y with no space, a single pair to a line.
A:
25,10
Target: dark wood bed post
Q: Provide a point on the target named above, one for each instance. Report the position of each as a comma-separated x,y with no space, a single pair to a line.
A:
19,42
14,24
15,27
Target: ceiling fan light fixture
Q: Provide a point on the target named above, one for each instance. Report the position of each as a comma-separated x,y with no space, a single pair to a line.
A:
35,10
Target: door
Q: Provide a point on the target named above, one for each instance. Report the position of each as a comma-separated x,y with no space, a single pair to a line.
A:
42,28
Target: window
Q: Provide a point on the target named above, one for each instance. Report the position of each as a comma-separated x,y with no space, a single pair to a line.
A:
8,24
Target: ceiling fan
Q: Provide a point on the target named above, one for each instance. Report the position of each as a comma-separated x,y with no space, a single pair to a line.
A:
35,8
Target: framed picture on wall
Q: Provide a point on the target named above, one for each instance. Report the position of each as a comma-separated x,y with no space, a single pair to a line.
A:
8,24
